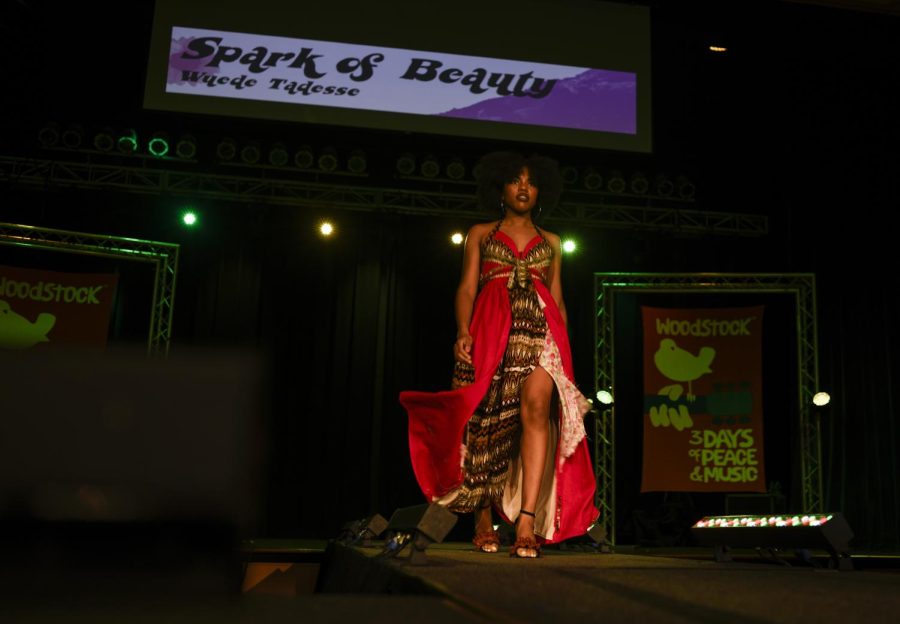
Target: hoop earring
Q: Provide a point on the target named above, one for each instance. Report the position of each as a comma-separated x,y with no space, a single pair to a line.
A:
538,212
502,208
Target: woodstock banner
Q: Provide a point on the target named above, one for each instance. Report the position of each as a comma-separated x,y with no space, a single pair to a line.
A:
703,421
45,309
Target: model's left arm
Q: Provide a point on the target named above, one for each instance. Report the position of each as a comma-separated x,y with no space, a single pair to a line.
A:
555,283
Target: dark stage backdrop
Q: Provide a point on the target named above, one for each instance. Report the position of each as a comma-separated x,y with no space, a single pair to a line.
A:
347,323
797,122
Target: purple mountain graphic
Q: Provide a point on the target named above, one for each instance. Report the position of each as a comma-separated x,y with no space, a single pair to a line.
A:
596,99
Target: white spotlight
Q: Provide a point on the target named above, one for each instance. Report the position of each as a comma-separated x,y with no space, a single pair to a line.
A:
821,399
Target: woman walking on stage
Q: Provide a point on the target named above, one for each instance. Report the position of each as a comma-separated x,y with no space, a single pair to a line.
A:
509,436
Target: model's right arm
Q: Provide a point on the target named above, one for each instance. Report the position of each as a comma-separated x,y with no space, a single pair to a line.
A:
466,292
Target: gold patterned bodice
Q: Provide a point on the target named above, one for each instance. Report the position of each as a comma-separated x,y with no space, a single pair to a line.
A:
501,260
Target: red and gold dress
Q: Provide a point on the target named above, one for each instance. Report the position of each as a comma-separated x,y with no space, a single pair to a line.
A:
464,442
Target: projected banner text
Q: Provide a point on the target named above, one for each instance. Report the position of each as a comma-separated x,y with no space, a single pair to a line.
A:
307,72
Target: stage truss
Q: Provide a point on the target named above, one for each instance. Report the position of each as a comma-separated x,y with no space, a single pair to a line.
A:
293,187
163,257
800,286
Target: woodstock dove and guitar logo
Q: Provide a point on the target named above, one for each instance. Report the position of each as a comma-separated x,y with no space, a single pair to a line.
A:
681,366
17,332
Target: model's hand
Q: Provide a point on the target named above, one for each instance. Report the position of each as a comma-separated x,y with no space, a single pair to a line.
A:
462,349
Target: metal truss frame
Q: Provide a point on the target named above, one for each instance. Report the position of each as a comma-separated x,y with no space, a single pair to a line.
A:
163,257
287,187
800,286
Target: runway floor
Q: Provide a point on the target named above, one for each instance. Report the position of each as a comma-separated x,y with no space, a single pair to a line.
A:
293,581
630,585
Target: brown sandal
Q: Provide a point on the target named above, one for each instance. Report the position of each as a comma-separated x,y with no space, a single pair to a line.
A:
525,543
487,542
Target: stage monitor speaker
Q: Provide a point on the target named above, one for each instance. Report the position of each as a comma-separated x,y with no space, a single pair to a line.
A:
362,532
597,533
419,525
828,531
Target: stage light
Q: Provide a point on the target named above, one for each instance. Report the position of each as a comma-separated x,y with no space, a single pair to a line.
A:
592,180
718,49
73,137
615,182
685,187
127,142
363,530
430,166
457,238
328,159
828,531
663,185
420,526
639,183
569,246
326,229
48,136
186,147
158,145
821,399
278,155
303,157
598,535
356,161
456,169
605,397
406,164
569,174
226,149
189,218
104,140
250,152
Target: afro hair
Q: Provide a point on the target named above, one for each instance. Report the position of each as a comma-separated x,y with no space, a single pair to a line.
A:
498,168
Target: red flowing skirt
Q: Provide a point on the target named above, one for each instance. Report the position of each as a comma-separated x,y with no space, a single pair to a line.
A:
437,420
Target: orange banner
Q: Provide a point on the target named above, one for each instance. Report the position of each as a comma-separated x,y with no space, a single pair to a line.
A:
703,421
46,309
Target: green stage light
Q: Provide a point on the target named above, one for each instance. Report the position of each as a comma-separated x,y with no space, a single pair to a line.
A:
189,218
158,145
127,141
569,246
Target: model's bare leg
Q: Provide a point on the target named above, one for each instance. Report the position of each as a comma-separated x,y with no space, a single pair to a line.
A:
537,393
